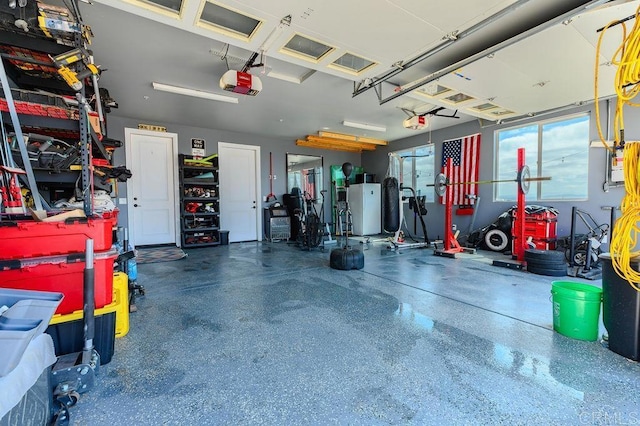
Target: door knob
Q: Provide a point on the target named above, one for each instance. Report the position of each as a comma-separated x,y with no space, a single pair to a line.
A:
135,205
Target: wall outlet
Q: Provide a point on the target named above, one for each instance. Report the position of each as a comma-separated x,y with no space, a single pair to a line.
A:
122,201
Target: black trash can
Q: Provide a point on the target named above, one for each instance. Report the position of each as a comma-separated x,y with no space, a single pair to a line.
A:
224,238
620,310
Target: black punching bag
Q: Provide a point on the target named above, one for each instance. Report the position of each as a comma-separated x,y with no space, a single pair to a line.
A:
391,204
347,168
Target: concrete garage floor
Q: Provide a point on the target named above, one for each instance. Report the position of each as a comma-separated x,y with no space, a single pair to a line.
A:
264,333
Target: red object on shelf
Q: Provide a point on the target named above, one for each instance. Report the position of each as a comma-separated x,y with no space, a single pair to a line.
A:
63,274
28,238
100,162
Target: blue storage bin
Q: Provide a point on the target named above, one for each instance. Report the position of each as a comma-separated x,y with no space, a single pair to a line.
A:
15,335
24,314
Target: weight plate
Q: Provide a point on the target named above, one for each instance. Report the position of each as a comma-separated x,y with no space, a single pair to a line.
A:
523,179
440,184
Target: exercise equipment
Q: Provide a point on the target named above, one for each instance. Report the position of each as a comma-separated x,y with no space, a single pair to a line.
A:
393,201
310,231
391,197
346,257
523,179
519,241
325,225
344,228
450,241
442,187
583,251
339,193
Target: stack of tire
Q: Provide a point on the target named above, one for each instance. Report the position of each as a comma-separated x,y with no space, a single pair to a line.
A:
546,262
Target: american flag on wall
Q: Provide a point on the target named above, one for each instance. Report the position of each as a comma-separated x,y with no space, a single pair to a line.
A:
465,153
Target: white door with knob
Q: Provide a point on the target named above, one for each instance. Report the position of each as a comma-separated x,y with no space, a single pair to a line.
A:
151,190
240,208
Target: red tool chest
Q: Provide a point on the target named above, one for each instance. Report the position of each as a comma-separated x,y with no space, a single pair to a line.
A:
541,225
27,238
62,274
49,256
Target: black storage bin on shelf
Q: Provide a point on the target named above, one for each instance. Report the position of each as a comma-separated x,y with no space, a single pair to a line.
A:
620,310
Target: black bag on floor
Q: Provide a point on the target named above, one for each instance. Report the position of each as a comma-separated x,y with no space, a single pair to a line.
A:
346,259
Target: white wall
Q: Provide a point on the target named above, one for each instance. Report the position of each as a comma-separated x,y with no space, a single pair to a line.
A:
278,148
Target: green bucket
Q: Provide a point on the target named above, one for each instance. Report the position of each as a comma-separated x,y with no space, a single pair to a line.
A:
576,309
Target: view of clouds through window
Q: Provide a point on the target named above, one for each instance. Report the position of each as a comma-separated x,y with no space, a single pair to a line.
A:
418,170
558,149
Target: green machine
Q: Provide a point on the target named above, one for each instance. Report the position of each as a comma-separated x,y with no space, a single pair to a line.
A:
338,190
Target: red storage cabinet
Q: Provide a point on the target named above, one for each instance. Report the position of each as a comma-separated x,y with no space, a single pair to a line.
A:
28,238
63,274
541,226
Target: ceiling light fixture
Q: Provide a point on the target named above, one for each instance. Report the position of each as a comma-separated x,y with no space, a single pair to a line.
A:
364,126
285,77
273,35
194,93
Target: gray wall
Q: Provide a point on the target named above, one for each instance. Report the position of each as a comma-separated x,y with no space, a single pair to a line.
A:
376,162
278,148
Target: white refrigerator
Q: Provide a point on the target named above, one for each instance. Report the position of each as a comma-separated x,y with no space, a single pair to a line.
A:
366,208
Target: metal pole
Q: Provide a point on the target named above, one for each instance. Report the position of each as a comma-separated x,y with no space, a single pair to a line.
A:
473,58
445,43
518,235
448,211
20,138
475,213
483,182
572,236
612,221
587,260
89,303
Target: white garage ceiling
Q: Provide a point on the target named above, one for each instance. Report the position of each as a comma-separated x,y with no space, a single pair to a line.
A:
139,42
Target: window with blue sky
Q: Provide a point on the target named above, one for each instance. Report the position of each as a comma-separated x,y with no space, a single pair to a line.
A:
555,148
418,169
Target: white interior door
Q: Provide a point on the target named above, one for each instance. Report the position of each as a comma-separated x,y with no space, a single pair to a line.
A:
239,191
151,191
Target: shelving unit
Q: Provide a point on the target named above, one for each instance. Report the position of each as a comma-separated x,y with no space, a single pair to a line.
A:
47,114
199,204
